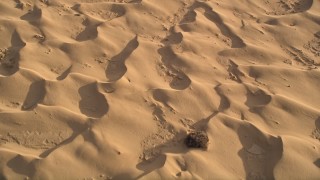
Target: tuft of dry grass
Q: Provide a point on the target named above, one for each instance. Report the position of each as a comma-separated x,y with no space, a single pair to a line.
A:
197,139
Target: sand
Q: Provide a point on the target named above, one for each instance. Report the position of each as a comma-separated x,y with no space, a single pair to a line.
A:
110,89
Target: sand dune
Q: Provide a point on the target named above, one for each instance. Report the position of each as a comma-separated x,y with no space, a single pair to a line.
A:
110,89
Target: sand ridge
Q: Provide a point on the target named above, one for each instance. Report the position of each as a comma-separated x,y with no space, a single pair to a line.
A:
109,89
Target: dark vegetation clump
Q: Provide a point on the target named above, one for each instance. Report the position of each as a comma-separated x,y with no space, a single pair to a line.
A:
197,139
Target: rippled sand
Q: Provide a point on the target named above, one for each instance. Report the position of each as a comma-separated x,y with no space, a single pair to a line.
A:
109,89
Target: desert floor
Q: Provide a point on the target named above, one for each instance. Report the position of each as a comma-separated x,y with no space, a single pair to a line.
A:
109,89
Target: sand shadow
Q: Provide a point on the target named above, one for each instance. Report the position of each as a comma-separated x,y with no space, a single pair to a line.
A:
2,176
135,1
77,128
176,145
256,100
214,17
35,95
20,165
63,143
116,67
260,152
19,5
90,32
317,123
280,8
64,74
224,101
316,132
93,103
9,64
178,79
235,72
161,96
317,162
150,165
33,16
202,124
158,159
236,41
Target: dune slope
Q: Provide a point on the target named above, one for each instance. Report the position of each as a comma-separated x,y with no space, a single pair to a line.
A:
109,89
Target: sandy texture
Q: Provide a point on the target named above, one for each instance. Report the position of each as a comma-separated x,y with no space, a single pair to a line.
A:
109,89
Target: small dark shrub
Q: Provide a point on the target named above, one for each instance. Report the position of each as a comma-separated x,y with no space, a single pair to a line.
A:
197,139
